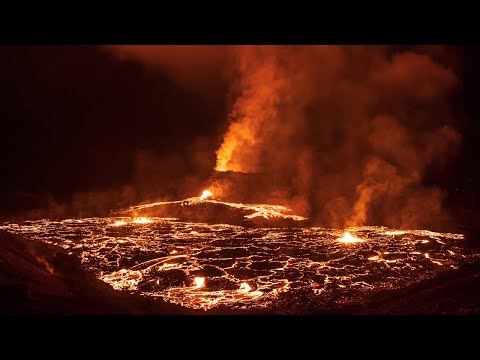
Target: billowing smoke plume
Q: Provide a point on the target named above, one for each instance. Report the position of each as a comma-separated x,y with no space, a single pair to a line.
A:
344,134
348,131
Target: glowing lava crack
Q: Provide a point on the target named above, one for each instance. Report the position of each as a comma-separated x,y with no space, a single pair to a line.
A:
205,266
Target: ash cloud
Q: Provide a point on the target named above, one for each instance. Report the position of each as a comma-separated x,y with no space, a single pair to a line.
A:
342,134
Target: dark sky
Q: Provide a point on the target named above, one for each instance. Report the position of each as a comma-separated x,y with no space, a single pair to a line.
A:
77,119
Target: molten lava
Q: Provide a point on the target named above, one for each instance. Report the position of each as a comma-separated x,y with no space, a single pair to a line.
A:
347,238
205,266
142,220
243,267
199,282
245,288
206,194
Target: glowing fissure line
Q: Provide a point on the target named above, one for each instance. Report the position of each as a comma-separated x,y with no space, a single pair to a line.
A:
259,210
103,251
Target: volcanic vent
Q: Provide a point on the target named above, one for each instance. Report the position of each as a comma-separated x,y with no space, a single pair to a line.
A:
207,208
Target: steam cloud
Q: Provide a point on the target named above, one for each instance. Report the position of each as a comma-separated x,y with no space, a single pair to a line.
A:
345,133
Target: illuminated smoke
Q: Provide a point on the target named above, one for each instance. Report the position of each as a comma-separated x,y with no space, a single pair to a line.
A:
348,131
255,113
346,134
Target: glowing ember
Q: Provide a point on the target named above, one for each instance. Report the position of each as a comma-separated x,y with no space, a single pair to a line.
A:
199,282
245,288
119,223
142,220
206,194
347,238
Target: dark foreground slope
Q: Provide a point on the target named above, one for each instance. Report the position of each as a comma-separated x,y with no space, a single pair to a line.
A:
36,278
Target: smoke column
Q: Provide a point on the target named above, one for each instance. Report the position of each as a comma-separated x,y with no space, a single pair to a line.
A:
350,129
345,133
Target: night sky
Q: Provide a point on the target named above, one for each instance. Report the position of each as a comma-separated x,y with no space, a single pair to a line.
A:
76,119
79,120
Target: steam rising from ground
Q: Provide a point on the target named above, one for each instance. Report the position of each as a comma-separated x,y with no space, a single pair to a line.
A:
346,133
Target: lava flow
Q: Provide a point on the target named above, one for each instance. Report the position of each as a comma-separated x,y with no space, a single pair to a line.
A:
207,266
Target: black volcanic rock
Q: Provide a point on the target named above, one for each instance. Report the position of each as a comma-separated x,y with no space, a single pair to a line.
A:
36,278
208,271
201,212
165,279
212,211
